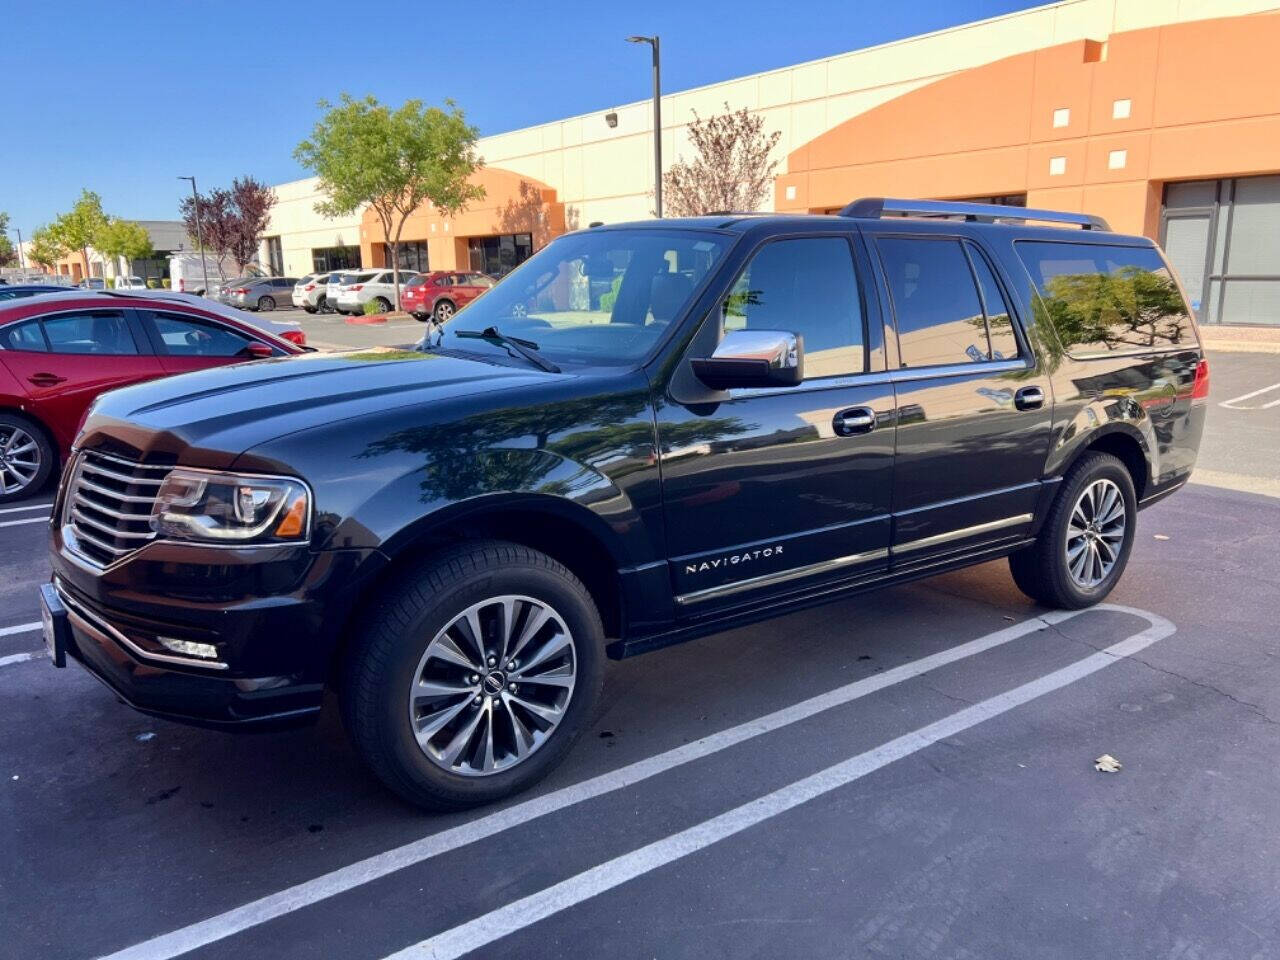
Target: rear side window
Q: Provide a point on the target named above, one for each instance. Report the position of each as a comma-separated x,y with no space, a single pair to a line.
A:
935,302
101,332
23,336
1102,299
184,336
1004,342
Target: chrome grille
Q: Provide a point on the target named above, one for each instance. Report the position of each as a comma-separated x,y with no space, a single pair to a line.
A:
108,506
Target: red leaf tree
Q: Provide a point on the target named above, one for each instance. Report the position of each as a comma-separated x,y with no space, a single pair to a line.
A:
231,221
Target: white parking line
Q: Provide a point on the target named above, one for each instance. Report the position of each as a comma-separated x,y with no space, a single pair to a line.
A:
18,523
33,506
177,942
528,910
1233,403
20,657
19,628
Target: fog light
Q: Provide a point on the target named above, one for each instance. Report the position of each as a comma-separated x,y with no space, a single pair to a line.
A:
189,648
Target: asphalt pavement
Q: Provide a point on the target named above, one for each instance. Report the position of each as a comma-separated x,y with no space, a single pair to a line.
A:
904,774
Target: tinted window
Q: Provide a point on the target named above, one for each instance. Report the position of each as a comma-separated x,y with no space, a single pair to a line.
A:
1101,299
804,286
23,336
189,337
416,280
1004,342
104,332
935,302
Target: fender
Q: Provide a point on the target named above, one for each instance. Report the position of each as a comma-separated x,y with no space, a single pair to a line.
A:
1101,417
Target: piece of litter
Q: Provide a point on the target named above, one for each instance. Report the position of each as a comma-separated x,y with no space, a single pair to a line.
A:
144,737
1008,618
1161,536
1107,764
15,776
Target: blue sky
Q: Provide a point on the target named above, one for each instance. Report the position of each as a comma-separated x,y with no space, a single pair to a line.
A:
123,98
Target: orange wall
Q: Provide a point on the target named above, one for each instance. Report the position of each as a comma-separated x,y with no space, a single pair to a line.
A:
1205,102
511,204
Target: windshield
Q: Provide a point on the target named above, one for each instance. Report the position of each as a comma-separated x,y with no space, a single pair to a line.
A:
596,298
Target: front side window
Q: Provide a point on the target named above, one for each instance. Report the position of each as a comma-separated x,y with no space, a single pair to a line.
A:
1106,299
935,302
603,297
23,336
184,336
804,286
102,332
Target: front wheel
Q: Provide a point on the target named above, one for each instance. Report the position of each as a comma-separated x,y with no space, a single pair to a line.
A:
479,670
384,305
1086,539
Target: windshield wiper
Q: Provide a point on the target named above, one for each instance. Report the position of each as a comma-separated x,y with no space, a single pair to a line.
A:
525,348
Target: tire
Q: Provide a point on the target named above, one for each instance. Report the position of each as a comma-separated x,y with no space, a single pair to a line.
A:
384,305
443,311
421,317
309,309
266,304
426,608
1046,573
322,305
27,457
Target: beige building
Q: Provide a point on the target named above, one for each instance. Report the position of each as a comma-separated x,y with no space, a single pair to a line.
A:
1094,104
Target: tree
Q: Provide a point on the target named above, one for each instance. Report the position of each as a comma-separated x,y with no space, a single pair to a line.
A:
80,227
124,238
45,249
8,254
393,161
231,221
731,169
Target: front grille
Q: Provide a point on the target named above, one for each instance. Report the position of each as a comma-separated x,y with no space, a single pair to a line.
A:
108,506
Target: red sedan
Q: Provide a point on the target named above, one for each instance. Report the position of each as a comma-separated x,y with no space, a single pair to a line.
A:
59,352
443,293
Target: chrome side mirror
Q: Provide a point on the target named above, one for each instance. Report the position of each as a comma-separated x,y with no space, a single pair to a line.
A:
753,358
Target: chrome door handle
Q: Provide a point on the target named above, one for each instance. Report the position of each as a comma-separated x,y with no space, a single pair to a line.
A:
1029,398
854,420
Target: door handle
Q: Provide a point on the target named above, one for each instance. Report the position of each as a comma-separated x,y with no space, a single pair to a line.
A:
45,379
854,420
1029,398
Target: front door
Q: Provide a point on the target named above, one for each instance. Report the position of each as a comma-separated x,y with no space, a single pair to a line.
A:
974,410
186,343
784,490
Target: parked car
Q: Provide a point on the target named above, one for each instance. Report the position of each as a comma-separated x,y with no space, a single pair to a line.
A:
289,330
60,351
21,291
310,293
129,283
379,288
769,412
92,283
343,278
261,293
442,293
189,273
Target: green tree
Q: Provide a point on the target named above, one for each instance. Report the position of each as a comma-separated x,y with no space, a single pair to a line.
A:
124,238
8,253
81,226
46,249
393,161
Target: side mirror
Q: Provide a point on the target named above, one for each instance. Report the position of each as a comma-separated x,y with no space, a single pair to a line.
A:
258,351
753,358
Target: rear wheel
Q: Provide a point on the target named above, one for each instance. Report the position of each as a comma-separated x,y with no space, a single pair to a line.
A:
444,309
26,457
266,304
322,305
1086,539
475,676
309,309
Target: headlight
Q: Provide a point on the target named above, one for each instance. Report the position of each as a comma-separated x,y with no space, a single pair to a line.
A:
229,508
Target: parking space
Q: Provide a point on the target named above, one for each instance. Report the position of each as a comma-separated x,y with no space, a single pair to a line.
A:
908,773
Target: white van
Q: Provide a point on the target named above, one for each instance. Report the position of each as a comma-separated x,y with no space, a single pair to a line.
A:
187,274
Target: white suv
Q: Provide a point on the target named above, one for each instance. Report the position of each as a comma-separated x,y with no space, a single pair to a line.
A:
310,293
370,286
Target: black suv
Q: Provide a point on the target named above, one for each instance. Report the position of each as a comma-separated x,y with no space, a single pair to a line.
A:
645,433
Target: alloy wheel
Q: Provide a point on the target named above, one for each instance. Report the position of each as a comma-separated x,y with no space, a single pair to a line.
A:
443,312
1095,533
493,686
19,459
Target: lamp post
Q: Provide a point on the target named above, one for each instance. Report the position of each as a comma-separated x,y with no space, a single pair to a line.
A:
657,120
22,263
204,264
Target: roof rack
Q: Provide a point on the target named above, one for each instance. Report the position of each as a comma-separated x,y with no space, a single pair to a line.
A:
873,208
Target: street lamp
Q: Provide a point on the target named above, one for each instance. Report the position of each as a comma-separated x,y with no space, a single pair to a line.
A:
204,264
657,120
22,263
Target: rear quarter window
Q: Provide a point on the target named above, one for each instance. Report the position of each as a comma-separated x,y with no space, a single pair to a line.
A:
1101,299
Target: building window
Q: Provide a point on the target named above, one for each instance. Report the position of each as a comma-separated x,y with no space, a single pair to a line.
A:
275,257
497,256
327,259
1057,166
1117,159
1001,200
413,255
1120,109
1062,117
1218,235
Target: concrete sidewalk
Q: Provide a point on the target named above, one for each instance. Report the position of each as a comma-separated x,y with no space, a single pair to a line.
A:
1241,339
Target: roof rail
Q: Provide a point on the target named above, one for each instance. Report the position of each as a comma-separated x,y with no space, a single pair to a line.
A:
874,208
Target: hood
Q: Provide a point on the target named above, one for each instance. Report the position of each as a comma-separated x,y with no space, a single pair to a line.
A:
208,418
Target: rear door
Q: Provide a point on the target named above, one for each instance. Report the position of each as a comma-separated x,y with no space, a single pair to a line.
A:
66,359
185,342
974,410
